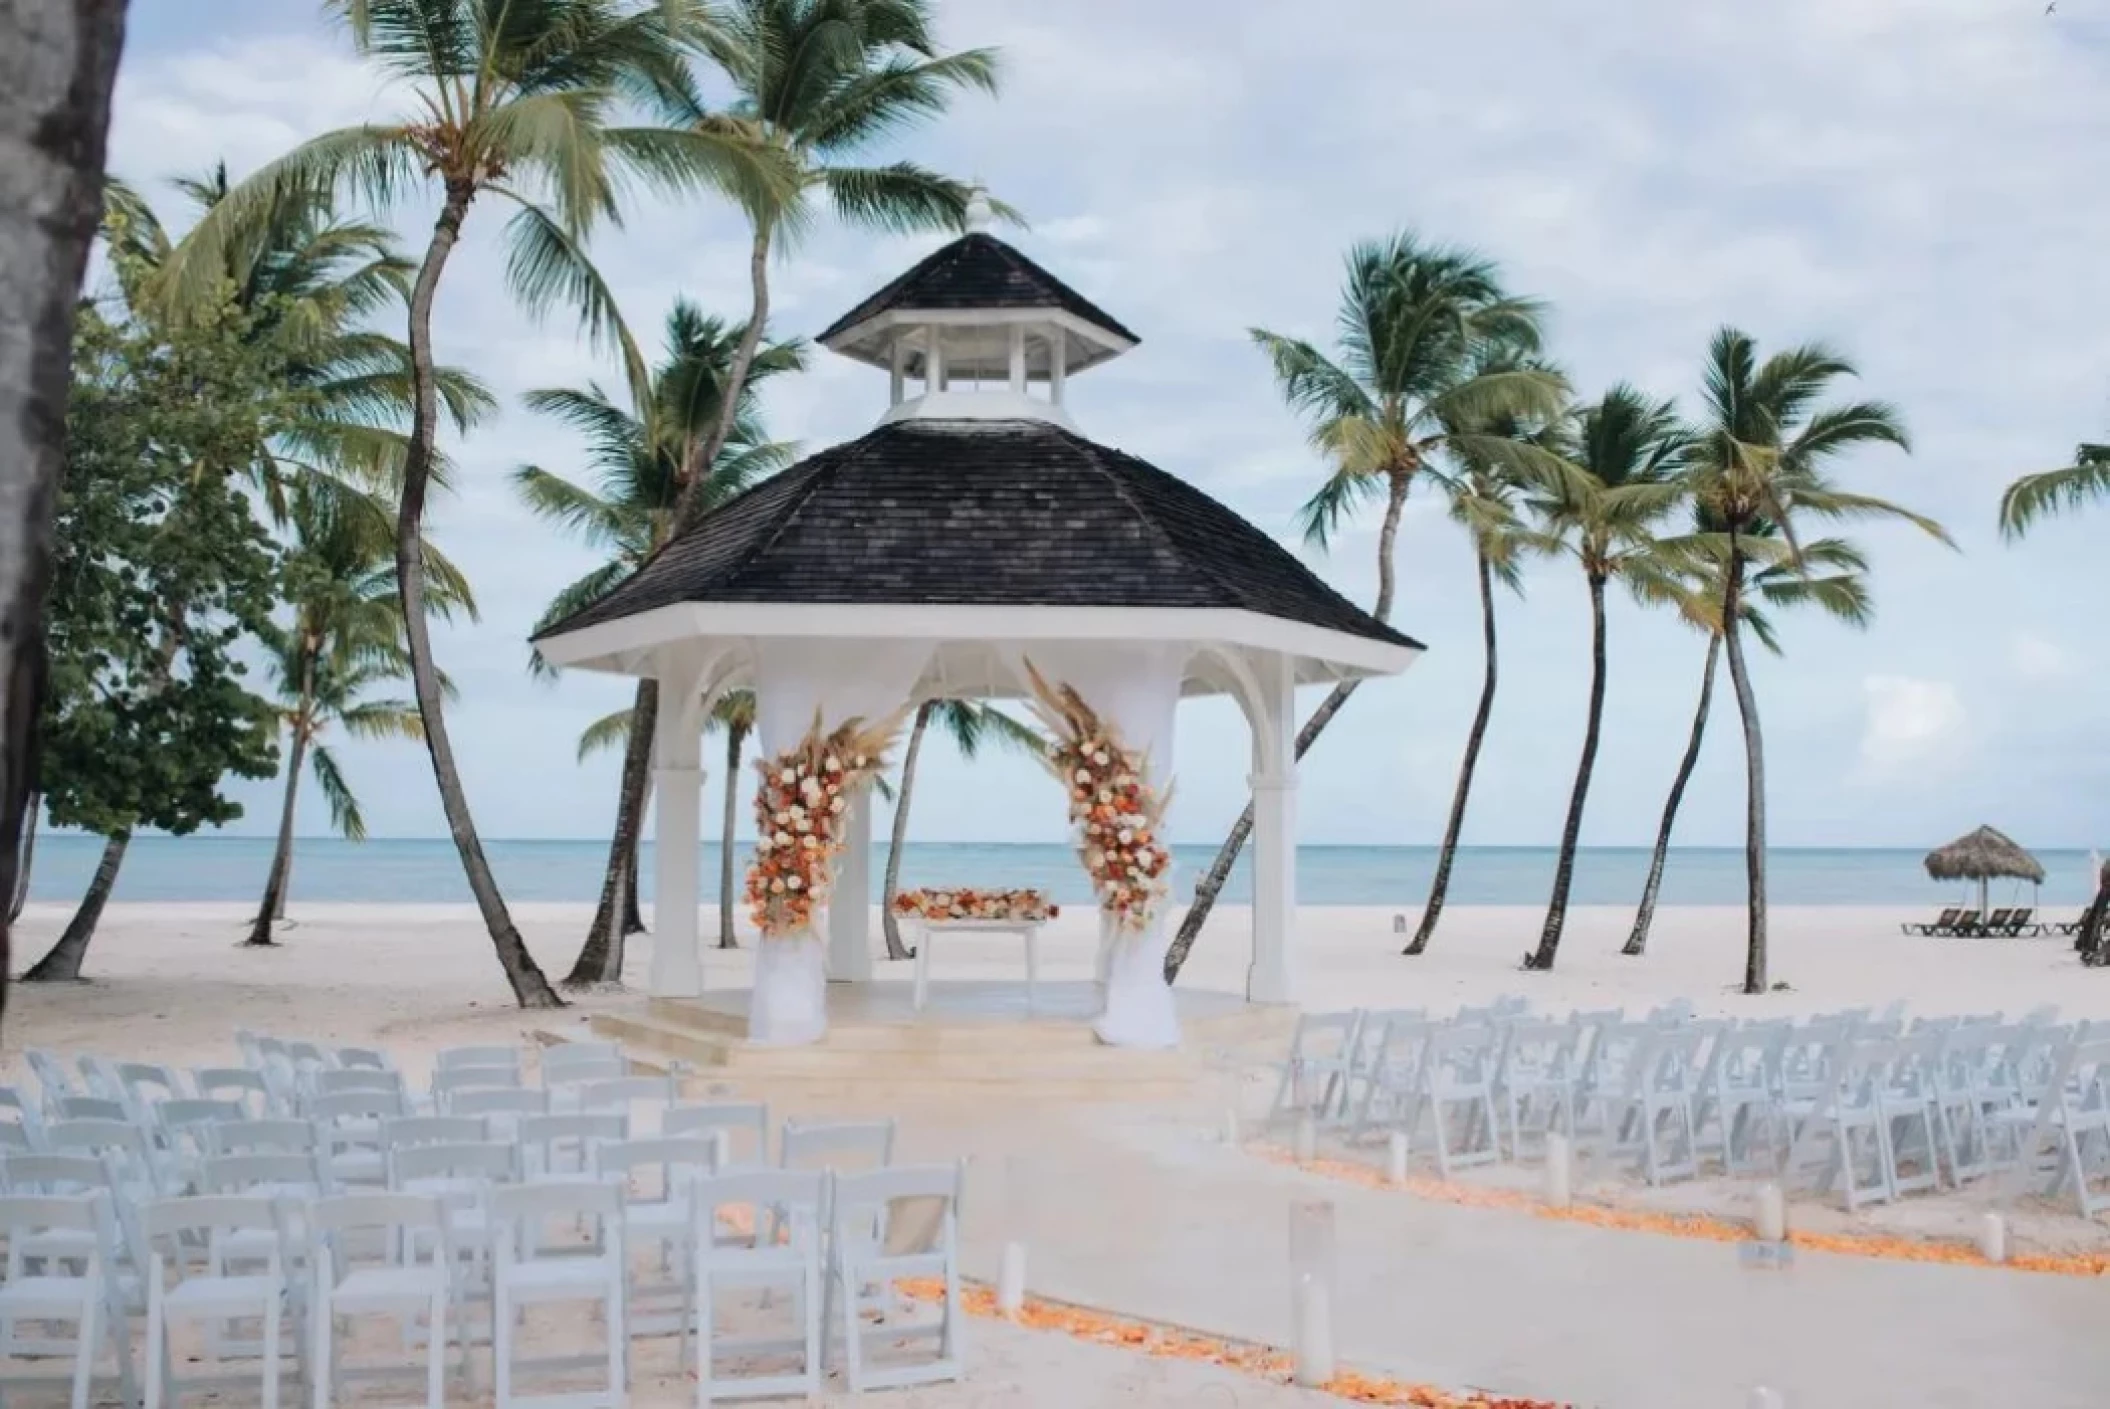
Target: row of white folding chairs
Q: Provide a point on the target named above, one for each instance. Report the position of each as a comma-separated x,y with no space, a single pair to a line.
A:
236,1256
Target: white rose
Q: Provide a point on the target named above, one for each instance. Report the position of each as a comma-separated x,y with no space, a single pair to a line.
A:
787,776
1105,796
1124,836
793,882
802,825
762,844
831,764
781,817
776,887
809,843
836,805
1101,759
783,839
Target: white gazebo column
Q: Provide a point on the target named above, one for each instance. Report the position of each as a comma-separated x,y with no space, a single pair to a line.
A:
849,906
677,784
1272,977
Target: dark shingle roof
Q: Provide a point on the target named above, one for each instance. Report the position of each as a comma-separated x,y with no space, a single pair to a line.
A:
985,513
977,271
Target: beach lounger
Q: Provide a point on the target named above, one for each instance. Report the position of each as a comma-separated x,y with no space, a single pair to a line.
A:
2022,922
1965,925
1941,924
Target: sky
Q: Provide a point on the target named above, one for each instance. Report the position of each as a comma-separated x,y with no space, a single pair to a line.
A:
1915,181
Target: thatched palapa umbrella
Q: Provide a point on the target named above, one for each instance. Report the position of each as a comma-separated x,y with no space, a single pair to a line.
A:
1981,856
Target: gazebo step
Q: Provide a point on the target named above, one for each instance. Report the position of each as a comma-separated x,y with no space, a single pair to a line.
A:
961,1041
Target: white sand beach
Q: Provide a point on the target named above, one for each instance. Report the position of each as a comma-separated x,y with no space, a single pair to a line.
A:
1143,1212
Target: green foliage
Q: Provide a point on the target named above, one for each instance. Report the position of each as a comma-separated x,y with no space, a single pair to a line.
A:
161,570
2051,492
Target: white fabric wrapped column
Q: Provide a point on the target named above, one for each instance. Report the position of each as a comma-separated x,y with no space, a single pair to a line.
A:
1135,687
795,682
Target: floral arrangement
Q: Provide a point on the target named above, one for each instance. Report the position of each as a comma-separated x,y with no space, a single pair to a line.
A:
800,820
965,904
1118,814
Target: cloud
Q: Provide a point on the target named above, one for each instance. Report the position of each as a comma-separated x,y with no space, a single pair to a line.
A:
2041,658
1910,724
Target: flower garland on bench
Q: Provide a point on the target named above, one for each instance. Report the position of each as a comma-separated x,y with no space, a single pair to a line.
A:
1018,906
1119,816
801,817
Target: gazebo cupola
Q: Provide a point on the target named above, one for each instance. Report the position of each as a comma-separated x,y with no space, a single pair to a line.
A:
978,332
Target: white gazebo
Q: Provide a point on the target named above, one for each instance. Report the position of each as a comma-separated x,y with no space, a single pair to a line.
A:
971,532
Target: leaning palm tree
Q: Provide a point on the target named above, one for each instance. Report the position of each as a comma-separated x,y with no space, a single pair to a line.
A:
969,725
1630,450
1760,453
1408,384
1483,501
644,460
345,640
2050,492
1829,574
518,106
821,81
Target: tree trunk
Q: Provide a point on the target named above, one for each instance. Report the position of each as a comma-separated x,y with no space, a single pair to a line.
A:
54,116
601,957
1571,833
282,855
1440,887
2088,936
735,382
1219,872
63,963
273,905
20,898
530,988
895,949
1754,776
633,914
735,741
1645,914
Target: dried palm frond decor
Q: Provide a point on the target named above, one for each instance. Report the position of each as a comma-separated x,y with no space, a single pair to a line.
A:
802,815
1119,816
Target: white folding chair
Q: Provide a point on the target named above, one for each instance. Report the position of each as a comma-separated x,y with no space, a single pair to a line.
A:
28,1117
1844,1121
135,1168
92,1108
568,1068
632,1096
504,1108
461,1177
793,1203
273,1136
531,1271
1536,1076
1907,1095
53,1079
491,1055
886,1225
2071,1130
242,1085
1390,1091
403,1132
1315,1071
1740,1095
334,1081
366,1058
743,1125
842,1145
348,1132
561,1146
148,1084
350,1279
1457,1089
659,1175
212,1294
186,1132
54,1293
451,1082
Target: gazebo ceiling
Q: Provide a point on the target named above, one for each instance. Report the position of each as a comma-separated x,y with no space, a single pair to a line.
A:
900,531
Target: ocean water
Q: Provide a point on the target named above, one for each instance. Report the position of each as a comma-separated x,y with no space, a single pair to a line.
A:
426,871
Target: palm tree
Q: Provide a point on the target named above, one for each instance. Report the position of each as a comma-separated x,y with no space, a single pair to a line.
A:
1416,326
969,725
346,639
518,107
1630,451
1831,575
820,81
2056,491
644,458
735,714
1482,500
1759,456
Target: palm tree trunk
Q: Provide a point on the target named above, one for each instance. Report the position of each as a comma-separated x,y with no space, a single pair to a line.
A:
63,963
20,898
63,59
735,379
735,741
633,914
1571,833
1219,872
282,855
601,957
531,989
1440,887
895,949
1754,777
1645,914
2089,935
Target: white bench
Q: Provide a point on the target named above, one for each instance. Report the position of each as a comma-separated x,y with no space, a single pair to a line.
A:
928,930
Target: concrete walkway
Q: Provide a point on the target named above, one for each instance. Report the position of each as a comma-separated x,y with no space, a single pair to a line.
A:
1146,1216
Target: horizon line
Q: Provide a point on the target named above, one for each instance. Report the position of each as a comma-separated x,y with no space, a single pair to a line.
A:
70,834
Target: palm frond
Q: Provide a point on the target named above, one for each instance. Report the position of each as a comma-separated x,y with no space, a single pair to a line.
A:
344,806
2051,492
610,731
